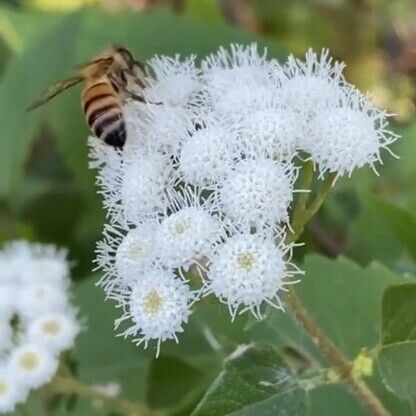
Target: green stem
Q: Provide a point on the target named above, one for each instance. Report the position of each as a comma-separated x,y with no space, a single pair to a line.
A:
70,385
302,213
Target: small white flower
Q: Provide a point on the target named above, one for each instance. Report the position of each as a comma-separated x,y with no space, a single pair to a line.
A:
11,392
247,271
138,250
189,233
36,299
54,331
269,130
311,85
158,306
233,77
164,127
348,137
32,365
207,154
52,271
144,181
176,81
258,191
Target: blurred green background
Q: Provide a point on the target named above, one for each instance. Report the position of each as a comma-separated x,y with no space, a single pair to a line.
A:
48,194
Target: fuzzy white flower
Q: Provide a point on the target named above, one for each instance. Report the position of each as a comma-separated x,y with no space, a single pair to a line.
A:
54,331
143,184
125,251
246,271
138,249
348,137
232,77
158,306
269,130
11,392
33,365
313,84
207,154
258,191
164,127
53,271
176,81
189,233
36,299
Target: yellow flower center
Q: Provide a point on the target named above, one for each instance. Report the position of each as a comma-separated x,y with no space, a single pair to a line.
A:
51,327
29,361
134,250
246,261
182,226
4,388
152,303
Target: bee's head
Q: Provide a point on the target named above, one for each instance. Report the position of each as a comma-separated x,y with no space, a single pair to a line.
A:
124,57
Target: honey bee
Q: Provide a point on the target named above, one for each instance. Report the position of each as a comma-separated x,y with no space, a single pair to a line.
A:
110,79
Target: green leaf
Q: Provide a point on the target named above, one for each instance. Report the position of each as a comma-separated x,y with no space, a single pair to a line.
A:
103,357
398,350
170,380
254,382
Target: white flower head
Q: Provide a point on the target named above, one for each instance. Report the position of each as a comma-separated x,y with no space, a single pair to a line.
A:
126,251
258,191
138,250
33,365
207,154
11,392
38,298
176,80
189,232
349,136
143,184
232,77
164,127
248,270
312,84
54,331
269,129
158,306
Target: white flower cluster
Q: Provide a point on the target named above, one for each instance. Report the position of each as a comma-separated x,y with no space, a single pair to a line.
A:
206,180
37,321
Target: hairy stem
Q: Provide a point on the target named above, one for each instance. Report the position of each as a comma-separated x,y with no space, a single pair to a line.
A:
70,385
335,357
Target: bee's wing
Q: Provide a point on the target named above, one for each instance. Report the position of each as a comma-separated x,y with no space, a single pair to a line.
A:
101,66
54,90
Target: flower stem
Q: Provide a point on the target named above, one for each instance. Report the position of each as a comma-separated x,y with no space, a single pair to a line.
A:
70,385
335,357
303,213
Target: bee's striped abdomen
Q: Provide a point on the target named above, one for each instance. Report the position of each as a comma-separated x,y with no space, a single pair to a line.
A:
103,112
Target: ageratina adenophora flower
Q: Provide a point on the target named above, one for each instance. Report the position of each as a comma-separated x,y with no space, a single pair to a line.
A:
37,322
207,179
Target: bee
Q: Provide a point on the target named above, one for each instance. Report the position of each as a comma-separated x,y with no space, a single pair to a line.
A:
110,79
